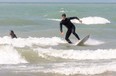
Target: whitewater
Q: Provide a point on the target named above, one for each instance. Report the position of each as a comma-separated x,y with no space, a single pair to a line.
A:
59,61
89,20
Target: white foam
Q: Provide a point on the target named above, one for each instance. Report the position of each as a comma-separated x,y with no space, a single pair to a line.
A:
77,54
94,20
67,68
89,20
71,68
30,41
9,55
93,42
22,42
85,70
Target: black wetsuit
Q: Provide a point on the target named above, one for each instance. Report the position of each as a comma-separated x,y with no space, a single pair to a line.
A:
71,28
13,35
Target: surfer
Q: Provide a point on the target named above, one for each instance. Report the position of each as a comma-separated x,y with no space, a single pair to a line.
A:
12,34
66,21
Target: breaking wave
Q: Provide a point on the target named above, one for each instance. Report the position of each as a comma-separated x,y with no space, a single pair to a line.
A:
78,54
23,42
89,20
30,41
9,55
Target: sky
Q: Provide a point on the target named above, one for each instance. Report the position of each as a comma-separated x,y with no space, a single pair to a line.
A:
111,1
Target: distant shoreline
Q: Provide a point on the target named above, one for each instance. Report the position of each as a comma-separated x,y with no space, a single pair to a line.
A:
57,2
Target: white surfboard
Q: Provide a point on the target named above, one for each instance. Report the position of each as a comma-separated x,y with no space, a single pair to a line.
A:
82,41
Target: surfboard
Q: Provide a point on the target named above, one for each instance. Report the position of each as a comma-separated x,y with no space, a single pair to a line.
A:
82,41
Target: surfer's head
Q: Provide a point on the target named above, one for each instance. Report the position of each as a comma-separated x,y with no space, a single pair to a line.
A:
11,31
63,16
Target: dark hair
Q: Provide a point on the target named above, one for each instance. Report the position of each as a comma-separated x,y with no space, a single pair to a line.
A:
64,14
11,31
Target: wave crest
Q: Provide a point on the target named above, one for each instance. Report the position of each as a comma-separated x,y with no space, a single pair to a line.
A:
89,20
8,55
23,42
78,54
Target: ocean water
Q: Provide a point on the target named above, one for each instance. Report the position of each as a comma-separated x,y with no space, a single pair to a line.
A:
40,49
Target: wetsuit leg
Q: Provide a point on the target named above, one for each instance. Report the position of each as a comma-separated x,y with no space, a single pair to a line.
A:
76,35
68,33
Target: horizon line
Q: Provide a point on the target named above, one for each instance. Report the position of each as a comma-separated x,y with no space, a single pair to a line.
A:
64,2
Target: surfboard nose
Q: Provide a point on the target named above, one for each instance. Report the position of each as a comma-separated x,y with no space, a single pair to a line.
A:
82,41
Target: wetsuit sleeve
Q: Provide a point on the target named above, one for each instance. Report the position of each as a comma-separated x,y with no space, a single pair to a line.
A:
73,18
61,27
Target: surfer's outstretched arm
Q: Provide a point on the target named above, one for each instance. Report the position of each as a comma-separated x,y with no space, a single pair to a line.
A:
75,18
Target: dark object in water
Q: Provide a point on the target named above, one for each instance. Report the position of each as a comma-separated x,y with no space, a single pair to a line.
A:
12,34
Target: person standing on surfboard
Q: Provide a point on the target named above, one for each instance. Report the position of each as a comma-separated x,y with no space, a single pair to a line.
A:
66,21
